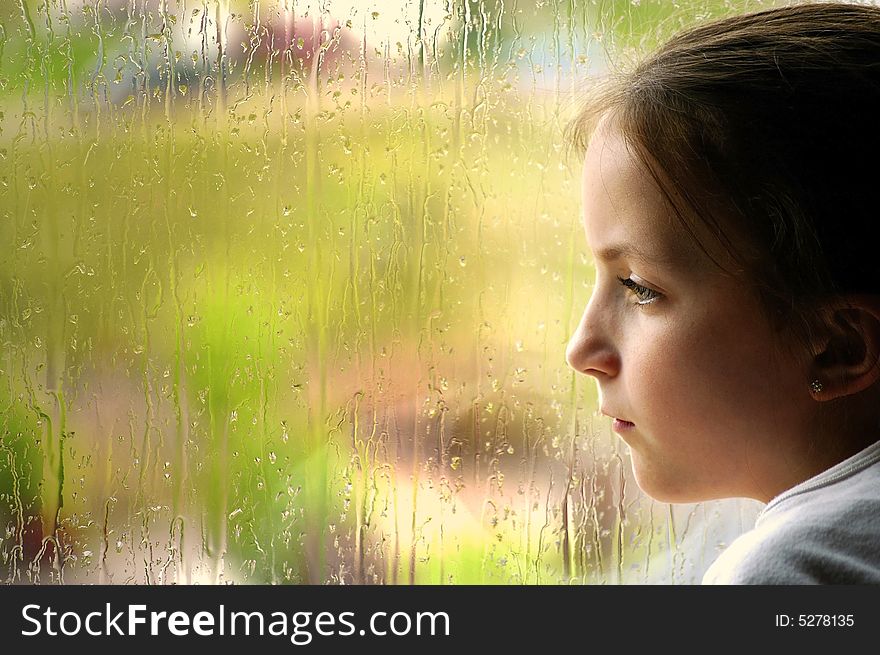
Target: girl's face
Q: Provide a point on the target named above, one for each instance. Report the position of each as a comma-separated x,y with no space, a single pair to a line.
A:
709,402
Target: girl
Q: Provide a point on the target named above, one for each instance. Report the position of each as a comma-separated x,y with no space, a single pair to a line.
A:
731,206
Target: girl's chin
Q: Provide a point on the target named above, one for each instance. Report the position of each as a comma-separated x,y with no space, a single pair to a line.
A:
666,486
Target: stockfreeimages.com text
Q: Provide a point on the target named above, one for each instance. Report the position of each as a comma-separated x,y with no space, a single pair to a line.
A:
301,627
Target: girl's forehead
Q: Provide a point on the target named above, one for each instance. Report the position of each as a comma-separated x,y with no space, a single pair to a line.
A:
625,210
623,201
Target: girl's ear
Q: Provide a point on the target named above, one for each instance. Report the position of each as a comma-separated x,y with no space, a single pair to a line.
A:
848,359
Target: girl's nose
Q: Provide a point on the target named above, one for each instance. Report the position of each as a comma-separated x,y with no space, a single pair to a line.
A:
591,350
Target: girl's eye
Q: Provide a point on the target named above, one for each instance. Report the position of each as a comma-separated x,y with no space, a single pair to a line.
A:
643,294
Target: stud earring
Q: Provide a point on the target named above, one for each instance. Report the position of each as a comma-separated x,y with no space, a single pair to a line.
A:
816,386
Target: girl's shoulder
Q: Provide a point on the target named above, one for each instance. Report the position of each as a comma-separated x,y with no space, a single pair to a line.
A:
824,531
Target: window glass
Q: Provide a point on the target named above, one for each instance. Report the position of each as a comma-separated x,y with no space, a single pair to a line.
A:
285,290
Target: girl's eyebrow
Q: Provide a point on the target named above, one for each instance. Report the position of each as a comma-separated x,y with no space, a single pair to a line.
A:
617,251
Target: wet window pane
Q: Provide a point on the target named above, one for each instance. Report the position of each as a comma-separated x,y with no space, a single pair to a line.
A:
285,291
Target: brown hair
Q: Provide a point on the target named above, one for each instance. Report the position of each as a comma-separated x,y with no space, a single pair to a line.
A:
764,125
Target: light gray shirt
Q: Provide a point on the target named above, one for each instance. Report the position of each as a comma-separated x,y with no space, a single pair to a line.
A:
825,530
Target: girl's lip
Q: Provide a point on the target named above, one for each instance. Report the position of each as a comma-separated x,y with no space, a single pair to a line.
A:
620,425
